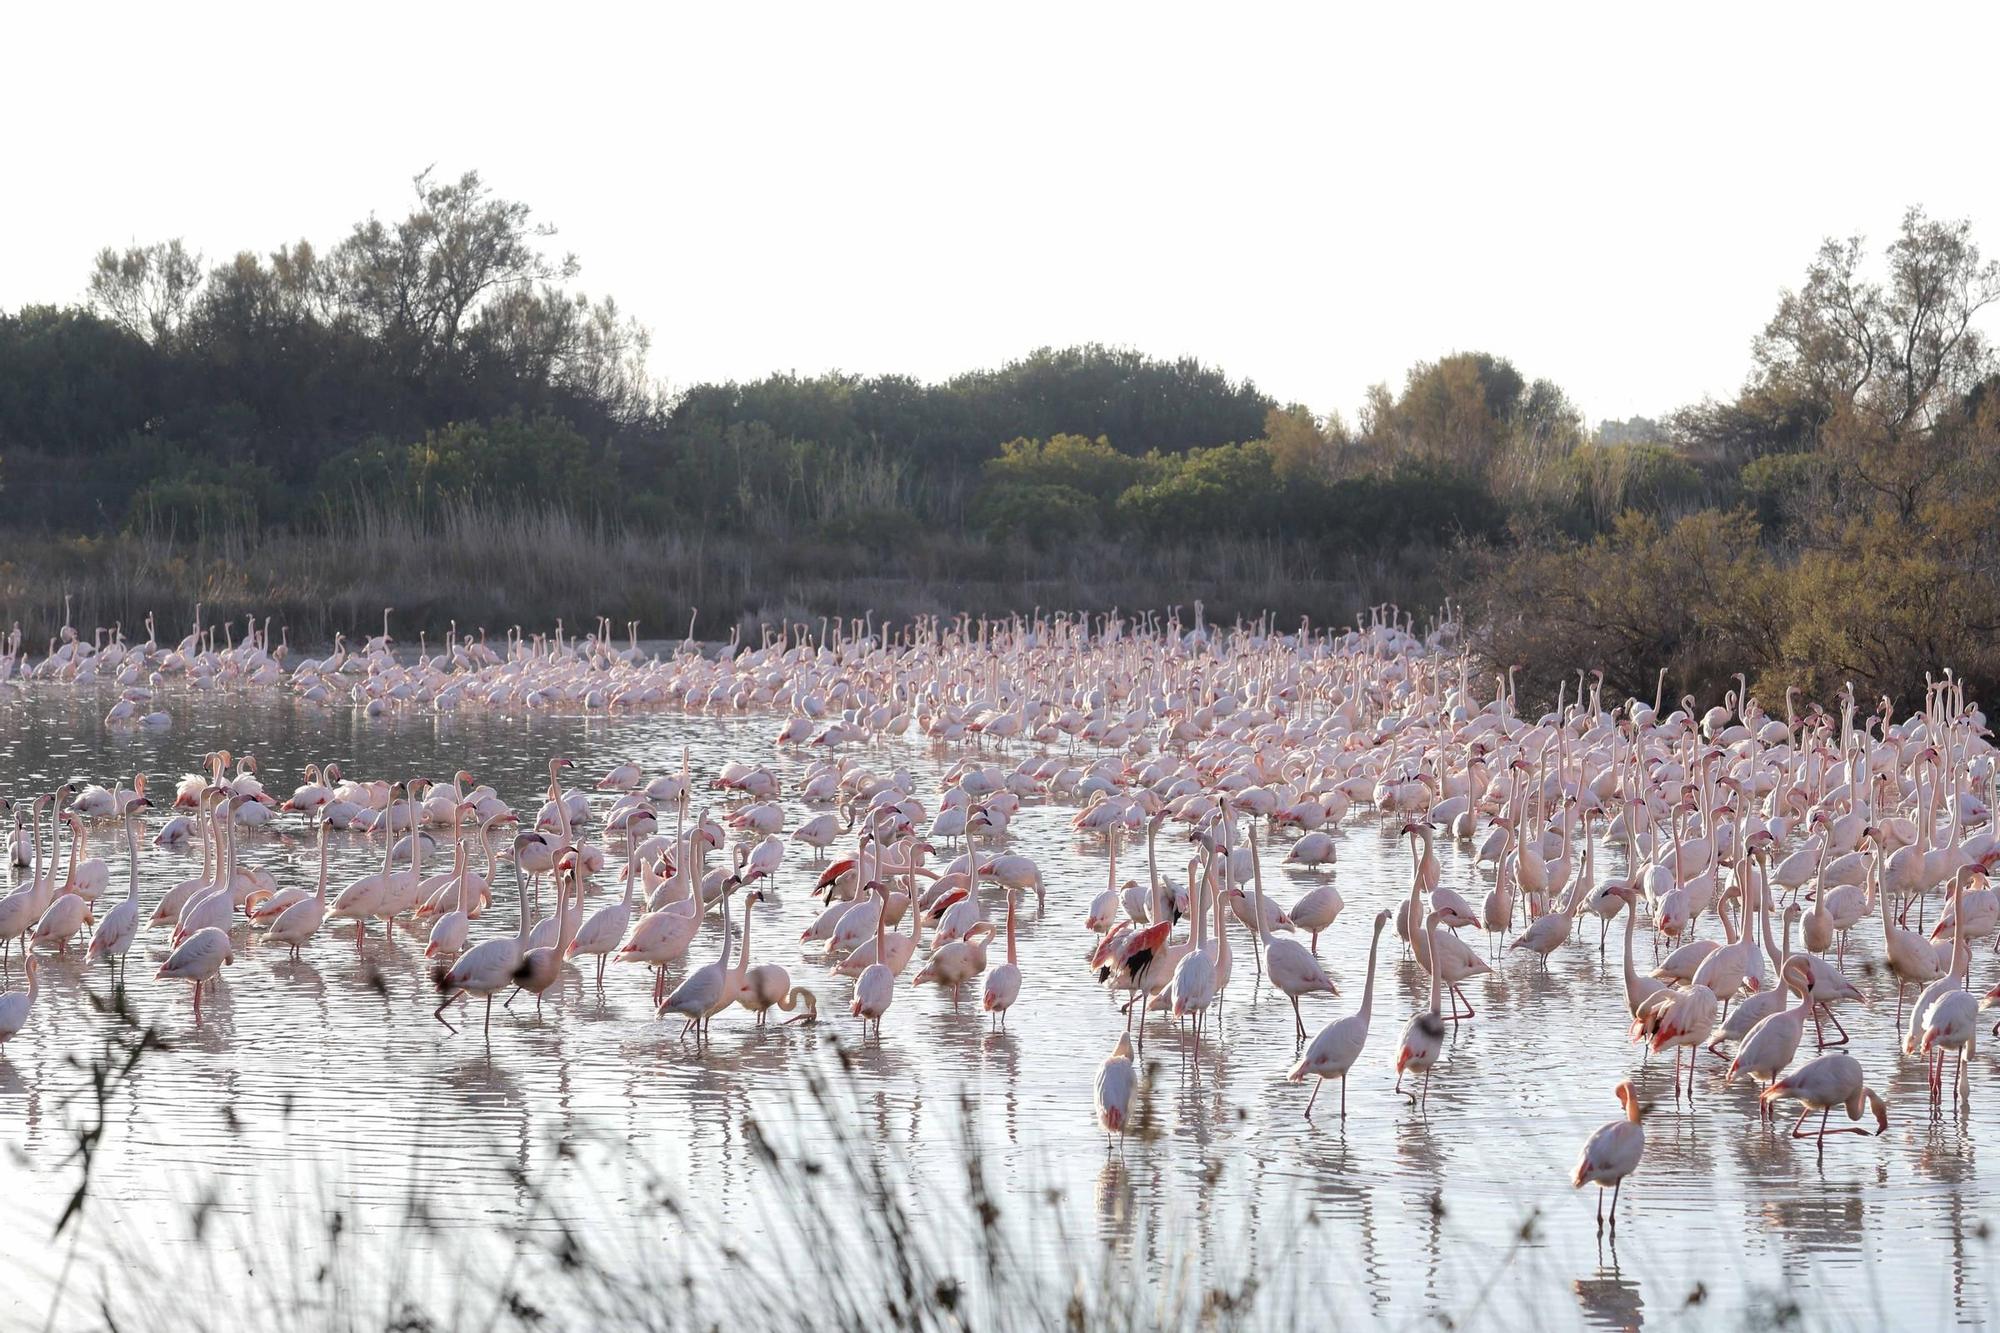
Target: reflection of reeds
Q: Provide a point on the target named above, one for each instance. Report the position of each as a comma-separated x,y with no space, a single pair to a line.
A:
498,567
842,1237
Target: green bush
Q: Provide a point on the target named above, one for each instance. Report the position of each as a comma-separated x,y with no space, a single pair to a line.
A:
511,462
1413,503
1231,488
1039,514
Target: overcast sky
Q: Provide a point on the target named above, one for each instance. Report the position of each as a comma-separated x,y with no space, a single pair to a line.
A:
1609,195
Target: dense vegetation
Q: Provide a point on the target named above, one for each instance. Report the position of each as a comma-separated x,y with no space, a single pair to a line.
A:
193,423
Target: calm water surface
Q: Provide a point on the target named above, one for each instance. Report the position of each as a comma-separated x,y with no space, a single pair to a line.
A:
325,1085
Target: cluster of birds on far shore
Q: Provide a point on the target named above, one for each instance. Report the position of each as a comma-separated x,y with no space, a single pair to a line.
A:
1831,822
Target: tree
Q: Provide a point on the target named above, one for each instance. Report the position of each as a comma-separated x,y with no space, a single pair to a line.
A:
1452,411
147,290
415,284
1303,445
1887,361
1474,412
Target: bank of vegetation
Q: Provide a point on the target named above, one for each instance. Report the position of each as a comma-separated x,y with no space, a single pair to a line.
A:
428,413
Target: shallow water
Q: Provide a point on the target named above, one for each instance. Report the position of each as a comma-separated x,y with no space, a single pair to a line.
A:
324,1085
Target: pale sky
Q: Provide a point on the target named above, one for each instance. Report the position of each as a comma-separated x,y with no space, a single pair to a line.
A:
1313,197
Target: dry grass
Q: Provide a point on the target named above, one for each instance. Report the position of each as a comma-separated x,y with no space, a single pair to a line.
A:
492,568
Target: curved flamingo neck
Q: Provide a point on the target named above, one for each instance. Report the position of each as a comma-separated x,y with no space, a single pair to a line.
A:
1368,986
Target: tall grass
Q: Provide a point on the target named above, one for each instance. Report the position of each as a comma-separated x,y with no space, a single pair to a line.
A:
484,565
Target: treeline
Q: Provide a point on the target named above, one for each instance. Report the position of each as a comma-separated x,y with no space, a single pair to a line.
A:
1837,520
444,359
1846,525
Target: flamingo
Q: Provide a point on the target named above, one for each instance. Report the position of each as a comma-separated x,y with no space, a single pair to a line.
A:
1338,1046
1315,912
1423,1035
120,926
1116,1080
622,777
606,927
1191,987
709,990
1292,966
297,924
1833,1079
486,968
1003,983
69,911
540,966
768,986
875,988
956,962
16,1005
1612,1154
1314,849
365,896
200,959
1683,1020
1768,1047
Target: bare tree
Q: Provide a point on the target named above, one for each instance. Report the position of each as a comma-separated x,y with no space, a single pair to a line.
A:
147,289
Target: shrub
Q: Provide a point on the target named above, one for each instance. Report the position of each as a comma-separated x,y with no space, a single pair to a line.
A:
1231,488
1040,514
1698,596
1780,487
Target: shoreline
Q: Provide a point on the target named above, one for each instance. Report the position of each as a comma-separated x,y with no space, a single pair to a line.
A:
550,567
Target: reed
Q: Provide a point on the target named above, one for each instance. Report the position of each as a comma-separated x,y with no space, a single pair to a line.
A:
495,566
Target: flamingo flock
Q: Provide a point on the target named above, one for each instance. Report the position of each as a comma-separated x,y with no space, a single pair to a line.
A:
1184,748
